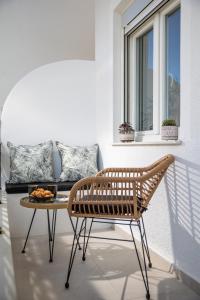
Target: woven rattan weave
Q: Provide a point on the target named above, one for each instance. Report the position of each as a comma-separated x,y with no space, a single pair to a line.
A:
117,192
121,194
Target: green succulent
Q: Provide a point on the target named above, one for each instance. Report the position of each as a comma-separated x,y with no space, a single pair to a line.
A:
169,122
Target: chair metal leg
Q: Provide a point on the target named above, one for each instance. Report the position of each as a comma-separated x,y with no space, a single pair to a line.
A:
73,250
23,250
144,260
86,242
144,273
79,246
141,260
84,239
146,244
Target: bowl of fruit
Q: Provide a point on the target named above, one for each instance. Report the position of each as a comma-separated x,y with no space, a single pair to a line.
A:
42,193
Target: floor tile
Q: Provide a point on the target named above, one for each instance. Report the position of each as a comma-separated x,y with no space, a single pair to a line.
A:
111,271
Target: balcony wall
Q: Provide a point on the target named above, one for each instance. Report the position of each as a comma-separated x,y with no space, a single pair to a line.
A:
172,221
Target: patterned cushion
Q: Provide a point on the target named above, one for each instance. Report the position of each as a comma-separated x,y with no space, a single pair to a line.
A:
31,163
77,162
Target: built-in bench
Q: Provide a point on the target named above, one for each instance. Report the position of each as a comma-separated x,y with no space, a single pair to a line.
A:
17,188
20,217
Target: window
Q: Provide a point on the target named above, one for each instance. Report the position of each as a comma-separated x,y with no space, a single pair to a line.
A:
144,85
152,71
172,110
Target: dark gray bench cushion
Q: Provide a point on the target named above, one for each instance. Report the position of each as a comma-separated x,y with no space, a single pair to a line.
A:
17,188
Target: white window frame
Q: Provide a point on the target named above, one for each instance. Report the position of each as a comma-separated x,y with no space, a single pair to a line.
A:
152,23
163,14
157,21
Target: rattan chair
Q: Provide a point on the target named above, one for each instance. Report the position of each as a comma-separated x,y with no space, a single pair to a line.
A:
121,194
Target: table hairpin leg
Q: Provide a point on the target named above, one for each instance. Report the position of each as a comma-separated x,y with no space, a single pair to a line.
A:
53,229
51,232
51,223
49,228
24,248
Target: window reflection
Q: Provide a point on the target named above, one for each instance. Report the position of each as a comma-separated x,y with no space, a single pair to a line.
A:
173,66
145,82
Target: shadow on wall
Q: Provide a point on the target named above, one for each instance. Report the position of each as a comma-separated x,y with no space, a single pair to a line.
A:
183,191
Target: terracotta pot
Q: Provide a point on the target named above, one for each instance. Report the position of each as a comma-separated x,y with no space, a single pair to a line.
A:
127,137
169,132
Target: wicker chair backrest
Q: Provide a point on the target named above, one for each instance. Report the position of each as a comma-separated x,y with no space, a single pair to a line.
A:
117,192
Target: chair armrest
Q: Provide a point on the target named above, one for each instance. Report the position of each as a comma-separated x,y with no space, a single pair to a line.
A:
135,172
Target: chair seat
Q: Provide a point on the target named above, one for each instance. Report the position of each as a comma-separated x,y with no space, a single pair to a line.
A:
107,205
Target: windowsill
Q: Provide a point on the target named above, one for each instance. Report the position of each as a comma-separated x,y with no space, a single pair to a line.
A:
149,143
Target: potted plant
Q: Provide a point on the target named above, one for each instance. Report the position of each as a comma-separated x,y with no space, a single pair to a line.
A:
169,130
126,132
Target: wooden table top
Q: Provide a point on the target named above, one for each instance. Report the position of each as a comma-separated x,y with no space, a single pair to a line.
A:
60,202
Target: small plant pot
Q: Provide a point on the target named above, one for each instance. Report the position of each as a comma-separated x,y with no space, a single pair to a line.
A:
127,137
169,133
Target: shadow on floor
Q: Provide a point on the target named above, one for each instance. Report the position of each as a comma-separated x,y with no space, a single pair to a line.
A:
170,289
105,262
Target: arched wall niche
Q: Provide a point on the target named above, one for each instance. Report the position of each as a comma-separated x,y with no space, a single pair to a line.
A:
53,102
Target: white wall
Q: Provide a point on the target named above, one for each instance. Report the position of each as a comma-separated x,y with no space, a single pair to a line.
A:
35,33
53,102
172,221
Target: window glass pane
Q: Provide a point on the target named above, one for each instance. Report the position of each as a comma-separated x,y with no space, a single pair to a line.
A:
173,66
144,104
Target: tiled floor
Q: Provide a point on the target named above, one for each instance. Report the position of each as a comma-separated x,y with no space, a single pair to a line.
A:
110,272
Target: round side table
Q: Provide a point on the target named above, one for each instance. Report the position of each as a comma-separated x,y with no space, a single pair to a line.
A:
60,202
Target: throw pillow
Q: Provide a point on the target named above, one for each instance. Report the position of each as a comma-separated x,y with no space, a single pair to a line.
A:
77,162
31,163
